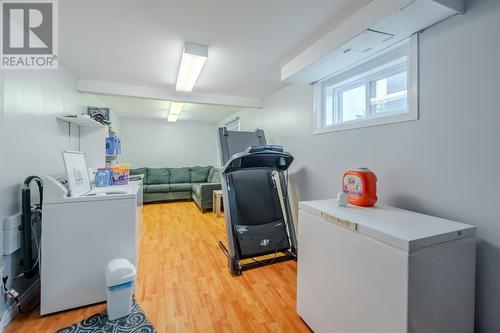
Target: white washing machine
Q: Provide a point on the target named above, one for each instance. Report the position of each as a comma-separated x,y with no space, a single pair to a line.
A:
80,235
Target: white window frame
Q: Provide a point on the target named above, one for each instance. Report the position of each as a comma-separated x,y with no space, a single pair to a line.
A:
377,66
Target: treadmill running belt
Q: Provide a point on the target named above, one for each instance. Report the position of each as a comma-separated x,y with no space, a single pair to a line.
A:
257,240
254,196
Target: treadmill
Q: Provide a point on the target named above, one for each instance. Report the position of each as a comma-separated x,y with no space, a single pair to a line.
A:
256,207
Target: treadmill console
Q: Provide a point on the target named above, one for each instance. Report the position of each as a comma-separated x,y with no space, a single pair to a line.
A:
256,149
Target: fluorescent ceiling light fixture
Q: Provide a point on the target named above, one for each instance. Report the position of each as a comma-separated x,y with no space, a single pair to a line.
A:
175,108
172,117
175,111
193,59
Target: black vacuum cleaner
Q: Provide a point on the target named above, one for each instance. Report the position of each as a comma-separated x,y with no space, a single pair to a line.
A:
31,222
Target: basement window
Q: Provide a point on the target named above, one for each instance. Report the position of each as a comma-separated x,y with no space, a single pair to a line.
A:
381,90
234,125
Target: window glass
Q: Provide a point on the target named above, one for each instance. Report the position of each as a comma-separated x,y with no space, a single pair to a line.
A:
352,106
380,90
389,94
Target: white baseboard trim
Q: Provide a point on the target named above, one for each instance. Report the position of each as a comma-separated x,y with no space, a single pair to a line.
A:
6,318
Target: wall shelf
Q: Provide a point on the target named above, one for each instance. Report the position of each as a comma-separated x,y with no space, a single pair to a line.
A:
81,121
113,132
92,139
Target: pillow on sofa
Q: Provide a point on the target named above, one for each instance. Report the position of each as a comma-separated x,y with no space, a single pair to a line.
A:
179,175
215,177
158,176
199,174
140,171
210,174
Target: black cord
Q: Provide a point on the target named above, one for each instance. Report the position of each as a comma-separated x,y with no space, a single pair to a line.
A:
274,257
16,298
4,280
269,263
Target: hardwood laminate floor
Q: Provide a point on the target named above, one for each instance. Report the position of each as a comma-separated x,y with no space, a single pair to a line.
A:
184,285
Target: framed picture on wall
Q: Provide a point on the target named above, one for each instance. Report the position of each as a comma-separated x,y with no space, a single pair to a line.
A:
93,111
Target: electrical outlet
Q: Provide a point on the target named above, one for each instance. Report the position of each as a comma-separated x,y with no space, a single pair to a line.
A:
12,293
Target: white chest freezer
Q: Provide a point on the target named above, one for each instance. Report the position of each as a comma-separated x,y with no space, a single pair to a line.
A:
383,270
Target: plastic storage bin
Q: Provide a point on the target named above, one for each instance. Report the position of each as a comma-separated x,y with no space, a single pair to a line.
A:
120,277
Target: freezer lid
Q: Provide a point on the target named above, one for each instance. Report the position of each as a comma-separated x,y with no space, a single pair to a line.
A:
406,230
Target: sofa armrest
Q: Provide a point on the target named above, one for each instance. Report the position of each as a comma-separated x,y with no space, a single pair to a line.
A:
205,200
207,189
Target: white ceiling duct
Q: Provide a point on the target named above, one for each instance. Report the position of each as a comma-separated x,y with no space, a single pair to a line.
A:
378,25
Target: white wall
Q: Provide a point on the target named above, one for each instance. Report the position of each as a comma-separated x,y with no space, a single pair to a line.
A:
158,143
34,139
445,164
31,139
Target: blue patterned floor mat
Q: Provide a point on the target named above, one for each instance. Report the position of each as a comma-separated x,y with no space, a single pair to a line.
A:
136,322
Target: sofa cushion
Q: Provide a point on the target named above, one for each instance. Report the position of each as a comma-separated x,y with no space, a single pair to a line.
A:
199,174
180,187
158,176
140,171
157,188
215,177
180,175
197,189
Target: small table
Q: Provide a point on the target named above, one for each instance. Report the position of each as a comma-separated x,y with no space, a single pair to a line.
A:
217,202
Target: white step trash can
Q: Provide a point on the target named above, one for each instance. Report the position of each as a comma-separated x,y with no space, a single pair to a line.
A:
120,277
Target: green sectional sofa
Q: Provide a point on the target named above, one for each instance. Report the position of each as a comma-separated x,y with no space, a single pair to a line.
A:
166,184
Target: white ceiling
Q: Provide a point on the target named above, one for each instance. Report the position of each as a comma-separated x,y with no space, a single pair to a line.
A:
150,108
140,42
